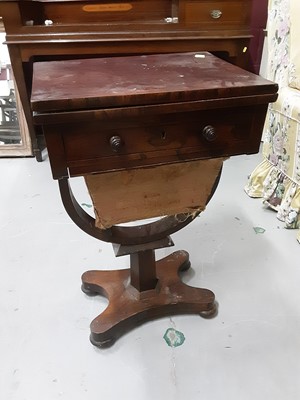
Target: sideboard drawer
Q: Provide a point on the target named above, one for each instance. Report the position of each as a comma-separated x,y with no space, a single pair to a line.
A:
217,14
104,12
97,146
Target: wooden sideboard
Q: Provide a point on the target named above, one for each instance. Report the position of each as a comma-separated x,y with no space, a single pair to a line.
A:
56,29
258,29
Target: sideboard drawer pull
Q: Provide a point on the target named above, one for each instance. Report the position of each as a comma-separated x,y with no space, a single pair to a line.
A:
209,133
115,143
216,14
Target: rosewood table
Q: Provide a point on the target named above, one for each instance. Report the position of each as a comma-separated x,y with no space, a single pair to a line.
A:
149,134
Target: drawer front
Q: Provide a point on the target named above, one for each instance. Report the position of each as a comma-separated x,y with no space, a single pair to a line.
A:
100,12
217,14
94,146
153,13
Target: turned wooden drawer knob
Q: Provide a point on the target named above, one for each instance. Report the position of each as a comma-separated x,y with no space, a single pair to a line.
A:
115,143
209,133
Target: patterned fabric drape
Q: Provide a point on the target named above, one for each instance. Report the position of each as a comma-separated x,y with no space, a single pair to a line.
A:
277,178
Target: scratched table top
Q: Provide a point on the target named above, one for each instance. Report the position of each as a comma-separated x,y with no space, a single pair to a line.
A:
139,80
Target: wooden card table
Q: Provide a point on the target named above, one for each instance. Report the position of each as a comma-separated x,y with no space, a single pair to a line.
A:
149,134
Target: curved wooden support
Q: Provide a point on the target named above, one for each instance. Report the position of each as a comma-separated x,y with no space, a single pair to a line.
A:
81,218
125,235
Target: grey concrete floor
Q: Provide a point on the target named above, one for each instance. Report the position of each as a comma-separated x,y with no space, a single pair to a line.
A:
251,350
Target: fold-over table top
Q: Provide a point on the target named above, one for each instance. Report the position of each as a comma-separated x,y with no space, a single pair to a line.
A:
86,84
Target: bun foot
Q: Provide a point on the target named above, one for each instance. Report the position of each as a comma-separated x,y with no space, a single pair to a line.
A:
102,344
88,291
211,313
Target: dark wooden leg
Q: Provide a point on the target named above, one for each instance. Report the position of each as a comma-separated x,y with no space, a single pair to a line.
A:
143,270
146,291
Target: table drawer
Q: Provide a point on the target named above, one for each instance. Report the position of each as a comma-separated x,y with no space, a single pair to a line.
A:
217,14
97,146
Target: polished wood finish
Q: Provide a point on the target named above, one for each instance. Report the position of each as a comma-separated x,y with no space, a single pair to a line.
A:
139,80
87,28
